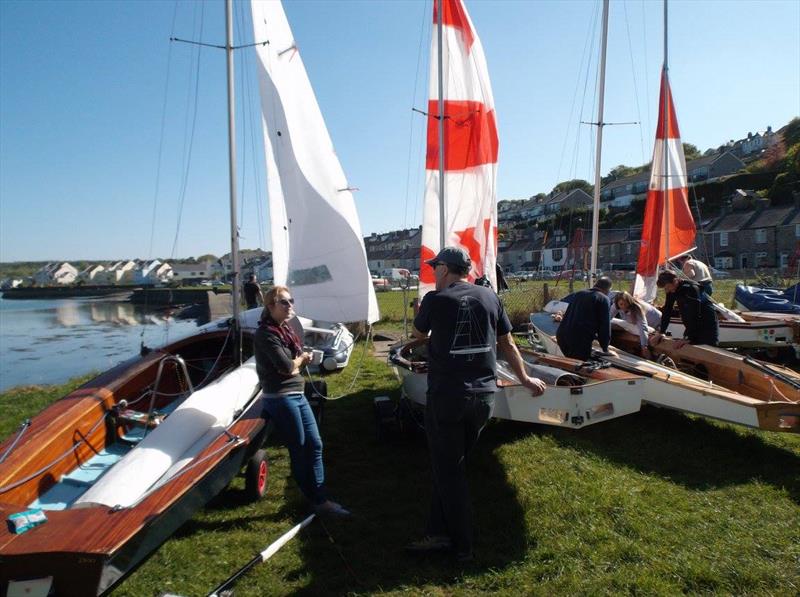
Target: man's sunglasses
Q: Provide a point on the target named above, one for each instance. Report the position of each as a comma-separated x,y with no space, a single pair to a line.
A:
285,302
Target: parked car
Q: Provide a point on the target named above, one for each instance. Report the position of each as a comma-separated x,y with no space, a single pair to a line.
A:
525,274
719,274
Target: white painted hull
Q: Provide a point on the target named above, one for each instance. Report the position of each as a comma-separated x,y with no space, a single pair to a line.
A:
573,407
750,334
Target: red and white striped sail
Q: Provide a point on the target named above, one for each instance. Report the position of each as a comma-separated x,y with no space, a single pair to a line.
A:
470,149
668,220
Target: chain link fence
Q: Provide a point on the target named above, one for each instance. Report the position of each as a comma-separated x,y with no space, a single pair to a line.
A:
520,300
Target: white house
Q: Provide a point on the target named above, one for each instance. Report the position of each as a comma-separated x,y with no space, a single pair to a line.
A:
92,274
152,272
7,283
121,271
55,273
192,271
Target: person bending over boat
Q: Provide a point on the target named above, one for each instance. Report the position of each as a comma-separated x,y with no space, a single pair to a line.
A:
697,271
638,313
697,313
587,318
467,324
279,360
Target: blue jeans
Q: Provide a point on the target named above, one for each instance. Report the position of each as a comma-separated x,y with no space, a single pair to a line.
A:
295,421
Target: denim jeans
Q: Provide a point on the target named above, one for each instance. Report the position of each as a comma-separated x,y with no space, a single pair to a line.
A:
295,421
453,423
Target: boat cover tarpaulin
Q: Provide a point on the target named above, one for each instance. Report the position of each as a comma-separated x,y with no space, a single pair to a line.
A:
200,419
771,300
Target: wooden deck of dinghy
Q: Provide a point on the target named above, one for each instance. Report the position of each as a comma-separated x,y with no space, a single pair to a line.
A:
89,549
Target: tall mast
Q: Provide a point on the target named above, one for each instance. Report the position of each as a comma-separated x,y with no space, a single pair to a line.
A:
600,124
440,58
235,282
665,145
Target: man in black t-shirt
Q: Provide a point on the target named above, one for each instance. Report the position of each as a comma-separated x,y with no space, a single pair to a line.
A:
252,292
466,324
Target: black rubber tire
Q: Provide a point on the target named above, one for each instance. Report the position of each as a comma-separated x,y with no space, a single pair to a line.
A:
256,476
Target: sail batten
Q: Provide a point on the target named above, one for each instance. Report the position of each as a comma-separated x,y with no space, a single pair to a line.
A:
317,245
470,152
668,230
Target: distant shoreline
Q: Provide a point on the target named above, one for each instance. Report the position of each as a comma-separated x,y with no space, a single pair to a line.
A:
51,292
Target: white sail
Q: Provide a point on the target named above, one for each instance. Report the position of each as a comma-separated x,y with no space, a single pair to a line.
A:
317,245
470,150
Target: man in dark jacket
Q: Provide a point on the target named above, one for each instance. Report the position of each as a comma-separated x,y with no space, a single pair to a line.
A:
697,313
588,317
252,292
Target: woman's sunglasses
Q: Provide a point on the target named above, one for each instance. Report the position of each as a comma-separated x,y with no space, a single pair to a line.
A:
285,302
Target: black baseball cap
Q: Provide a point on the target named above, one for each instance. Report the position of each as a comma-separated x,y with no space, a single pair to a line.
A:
451,256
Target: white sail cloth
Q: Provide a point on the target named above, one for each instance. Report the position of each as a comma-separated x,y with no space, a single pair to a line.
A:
470,150
169,447
317,245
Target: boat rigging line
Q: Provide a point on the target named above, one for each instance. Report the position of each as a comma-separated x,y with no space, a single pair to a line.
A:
361,361
23,427
420,54
188,138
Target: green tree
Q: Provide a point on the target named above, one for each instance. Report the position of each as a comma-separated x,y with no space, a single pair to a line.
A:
575,183
690,151
791,132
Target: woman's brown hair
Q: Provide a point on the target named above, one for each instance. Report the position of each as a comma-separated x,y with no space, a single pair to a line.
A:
636,306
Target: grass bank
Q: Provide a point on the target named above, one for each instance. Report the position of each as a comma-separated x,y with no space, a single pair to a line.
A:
656,503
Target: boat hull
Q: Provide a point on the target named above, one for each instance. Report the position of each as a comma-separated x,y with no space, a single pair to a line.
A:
669,388
604,394
88,550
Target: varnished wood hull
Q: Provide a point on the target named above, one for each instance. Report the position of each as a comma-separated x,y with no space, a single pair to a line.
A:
665,387
89,550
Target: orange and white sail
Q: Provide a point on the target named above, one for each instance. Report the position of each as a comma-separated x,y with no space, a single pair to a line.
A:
668,230
470,149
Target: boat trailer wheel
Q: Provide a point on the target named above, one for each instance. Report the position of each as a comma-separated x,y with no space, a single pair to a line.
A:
256,476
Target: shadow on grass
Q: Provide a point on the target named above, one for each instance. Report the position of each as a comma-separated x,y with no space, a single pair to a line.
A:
694,452
387,486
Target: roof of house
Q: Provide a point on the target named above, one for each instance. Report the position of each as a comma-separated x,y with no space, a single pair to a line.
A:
771,217
732,222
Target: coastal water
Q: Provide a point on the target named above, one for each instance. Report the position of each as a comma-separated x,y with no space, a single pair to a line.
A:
51,341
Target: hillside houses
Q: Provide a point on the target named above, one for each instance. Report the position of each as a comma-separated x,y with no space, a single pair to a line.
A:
621,193
767,237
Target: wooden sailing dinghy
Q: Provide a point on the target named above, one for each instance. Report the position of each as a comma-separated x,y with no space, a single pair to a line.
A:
120,463
771,403
175,425
460,210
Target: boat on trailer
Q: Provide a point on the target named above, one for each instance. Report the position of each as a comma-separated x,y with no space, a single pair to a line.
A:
578,394
121,462
736,389
757,331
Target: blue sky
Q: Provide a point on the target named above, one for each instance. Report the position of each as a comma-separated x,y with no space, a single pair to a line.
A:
83,87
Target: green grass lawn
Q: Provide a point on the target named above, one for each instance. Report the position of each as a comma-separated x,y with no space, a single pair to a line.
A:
652,503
